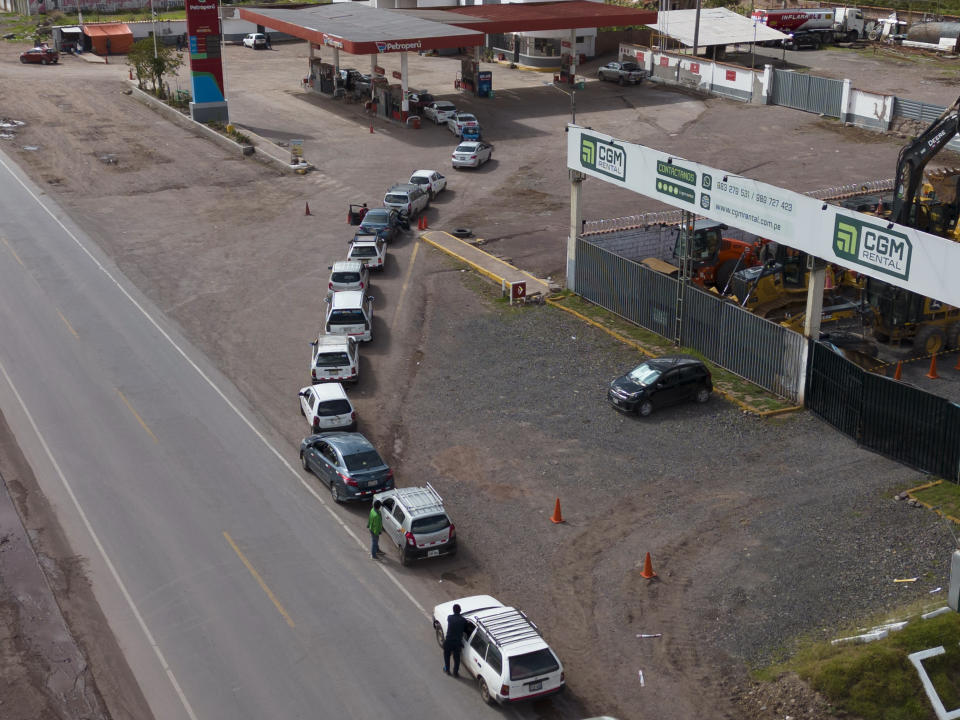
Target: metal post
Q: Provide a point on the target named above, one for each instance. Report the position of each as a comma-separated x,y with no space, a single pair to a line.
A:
696,29
814,310
576,223
405,102
153,19
686,231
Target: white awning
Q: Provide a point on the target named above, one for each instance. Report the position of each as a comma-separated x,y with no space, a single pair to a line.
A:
71,29
718,26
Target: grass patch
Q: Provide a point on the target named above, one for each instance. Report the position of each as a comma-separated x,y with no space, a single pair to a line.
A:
945,496
734,385
876,681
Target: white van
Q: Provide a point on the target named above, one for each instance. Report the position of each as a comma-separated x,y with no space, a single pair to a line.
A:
335,358
350,313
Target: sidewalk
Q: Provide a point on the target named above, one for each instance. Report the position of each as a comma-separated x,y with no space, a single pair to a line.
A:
485,263
93,58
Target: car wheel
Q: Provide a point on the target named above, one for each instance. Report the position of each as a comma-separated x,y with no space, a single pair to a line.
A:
439,632
404,560
335,492
702,395
620,80
45,61
644,408
23,60
303,461
485,693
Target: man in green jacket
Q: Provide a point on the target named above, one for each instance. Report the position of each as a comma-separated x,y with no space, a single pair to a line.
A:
375,525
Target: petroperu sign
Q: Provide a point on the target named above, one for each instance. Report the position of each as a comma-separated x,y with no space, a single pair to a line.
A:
403,46
906,257
206,66
333,42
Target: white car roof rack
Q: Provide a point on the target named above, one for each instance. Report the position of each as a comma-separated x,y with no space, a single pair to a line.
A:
508,626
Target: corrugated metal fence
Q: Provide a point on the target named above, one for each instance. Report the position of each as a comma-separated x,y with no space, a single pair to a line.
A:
905,423
763,352
924,112
808,92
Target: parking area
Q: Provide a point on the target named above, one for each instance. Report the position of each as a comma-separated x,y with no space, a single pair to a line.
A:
760,530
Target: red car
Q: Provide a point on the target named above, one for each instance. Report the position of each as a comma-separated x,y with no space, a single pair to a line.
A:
42,55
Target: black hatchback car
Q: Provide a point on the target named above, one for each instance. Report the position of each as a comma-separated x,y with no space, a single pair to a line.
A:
348,463
660,382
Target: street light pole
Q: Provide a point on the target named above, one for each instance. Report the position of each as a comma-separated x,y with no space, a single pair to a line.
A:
153,19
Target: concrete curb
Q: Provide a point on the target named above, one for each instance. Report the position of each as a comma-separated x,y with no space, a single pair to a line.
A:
269,152
186,122
627,341
928,506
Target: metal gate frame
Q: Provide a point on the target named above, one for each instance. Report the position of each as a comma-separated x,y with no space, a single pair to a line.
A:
808,92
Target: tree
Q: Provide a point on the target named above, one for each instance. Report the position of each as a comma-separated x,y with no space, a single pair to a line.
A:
145,65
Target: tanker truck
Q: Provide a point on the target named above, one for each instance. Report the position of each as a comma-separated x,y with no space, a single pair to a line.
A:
813,27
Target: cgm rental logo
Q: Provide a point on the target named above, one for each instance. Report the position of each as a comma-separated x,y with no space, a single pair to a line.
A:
603,156
873,246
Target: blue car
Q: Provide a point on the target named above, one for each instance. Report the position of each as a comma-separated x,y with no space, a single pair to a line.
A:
471,133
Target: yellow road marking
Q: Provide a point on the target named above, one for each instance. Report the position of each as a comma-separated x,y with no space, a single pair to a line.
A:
12,252
256,576
406,284
137,416
69,326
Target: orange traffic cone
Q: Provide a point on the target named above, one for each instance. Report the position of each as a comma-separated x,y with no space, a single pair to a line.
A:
933,369
131,73
307,211
557,517
371,128
420,223
647,571
426,225
899,370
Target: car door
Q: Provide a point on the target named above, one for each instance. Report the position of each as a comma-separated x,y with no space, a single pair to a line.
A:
390,525
327,462
690,381
669,390
472,656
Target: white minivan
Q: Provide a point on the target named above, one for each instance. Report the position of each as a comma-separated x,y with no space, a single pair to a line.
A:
350,313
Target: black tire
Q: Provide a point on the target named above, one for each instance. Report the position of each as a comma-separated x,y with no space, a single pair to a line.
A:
45,61
645,408
404,560
432,195
23,60
724,272
929,340
621,81
702,396
485,692
853,36
953,336
815,43
438,630
462,233
303,461
335,493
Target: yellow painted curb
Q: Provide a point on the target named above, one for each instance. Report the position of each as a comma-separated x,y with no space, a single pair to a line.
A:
627,341
488,273
927,505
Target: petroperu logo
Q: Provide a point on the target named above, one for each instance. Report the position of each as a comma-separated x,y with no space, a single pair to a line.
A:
873,246
332,42
603,156
211,6
383,47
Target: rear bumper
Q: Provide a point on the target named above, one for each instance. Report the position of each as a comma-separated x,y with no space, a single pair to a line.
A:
423,553
532,696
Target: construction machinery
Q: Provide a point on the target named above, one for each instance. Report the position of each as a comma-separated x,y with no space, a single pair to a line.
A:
898,314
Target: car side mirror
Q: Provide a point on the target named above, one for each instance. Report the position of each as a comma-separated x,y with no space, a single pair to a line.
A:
313,343
327,299
329,267
302,394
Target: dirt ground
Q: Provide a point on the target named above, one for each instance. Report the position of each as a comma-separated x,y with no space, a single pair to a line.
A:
240,268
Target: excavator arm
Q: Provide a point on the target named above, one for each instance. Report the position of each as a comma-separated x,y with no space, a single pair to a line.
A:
914,157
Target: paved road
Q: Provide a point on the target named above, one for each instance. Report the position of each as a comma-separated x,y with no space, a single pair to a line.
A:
233,589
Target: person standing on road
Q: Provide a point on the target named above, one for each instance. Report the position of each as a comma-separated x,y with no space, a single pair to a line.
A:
269,46
375,526
453,641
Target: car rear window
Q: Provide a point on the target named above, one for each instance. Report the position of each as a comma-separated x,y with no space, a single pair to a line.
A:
347,317
630,66
346,277
333,359
539,662
466,149
419,180
363,251
431,524
363,460
376,217
333,407
396,199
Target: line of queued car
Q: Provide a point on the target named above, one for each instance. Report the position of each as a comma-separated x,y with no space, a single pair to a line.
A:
472,151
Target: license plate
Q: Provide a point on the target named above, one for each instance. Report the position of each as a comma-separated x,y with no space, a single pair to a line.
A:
371,483
432,553
334,372
538,685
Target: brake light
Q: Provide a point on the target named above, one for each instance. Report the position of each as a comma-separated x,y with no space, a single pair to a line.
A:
473,157
313,373
562,675
505,690
361,286
353,370
348,480
353,415
330,285
453,531
411,541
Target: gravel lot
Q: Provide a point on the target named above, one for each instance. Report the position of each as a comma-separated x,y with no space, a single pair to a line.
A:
760,530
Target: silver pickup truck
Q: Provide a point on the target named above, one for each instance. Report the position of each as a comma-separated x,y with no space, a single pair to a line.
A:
622,72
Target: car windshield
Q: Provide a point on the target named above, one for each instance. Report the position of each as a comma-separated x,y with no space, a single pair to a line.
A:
431,524
539,662
644,374
333,359
396,199
346,277
445,107
347,317
363,460
333,407
364,251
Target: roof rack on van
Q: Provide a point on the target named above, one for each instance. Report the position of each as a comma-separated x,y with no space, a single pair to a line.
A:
508,626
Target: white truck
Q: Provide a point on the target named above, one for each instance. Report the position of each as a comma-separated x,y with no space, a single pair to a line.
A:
813,27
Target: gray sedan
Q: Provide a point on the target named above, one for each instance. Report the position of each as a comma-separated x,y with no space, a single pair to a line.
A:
347,463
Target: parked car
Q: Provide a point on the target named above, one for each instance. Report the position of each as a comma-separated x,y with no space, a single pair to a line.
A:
416,521
471,132
388,223
458,121
419,101
622,72
503,650
348,275
350,313
353,79
409,199
327,407
40,56
347,463
255,40
439,111
431,181
661,382
471,154
369,250
335,358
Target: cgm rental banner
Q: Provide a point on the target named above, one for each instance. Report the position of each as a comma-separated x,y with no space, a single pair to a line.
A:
924,263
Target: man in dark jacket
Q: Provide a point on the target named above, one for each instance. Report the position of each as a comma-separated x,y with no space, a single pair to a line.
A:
453,641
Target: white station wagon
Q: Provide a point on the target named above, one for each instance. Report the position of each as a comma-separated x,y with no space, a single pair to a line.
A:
503,650
327,407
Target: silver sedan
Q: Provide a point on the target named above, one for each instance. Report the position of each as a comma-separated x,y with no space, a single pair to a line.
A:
471,154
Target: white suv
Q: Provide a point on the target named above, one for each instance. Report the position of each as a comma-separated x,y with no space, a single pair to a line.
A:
348,275
415,519
408,198
350,313
335,359
503,650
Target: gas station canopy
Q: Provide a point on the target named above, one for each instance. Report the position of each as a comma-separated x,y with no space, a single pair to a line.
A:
718,26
